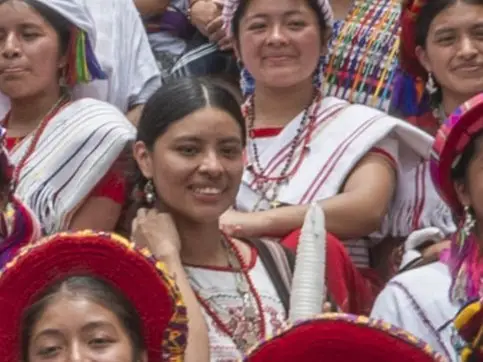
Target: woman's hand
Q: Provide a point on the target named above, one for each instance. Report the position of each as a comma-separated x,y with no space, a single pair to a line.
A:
217,34
241,224
204,12
431,253
157,232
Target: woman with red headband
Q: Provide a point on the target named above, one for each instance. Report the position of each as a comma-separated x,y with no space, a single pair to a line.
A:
64,151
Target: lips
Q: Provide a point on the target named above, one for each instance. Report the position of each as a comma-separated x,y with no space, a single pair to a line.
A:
12,71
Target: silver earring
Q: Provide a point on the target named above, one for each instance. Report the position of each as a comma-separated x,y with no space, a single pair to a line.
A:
431,84
470,221
149,194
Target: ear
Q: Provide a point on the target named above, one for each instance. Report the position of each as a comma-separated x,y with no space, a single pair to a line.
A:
462,193
62,61
422,56
144,159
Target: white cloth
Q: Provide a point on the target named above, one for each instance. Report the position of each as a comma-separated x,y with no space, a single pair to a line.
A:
218,287
74,152
343,134
124,54
418,301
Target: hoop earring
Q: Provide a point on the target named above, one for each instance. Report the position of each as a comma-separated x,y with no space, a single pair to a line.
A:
469,222
149,194
431,86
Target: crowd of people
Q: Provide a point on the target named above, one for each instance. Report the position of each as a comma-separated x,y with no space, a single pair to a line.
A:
165,163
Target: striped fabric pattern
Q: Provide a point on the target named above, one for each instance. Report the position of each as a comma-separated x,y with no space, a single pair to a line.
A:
75,151
363,54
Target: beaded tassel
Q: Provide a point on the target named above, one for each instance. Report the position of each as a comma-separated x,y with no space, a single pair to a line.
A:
82,65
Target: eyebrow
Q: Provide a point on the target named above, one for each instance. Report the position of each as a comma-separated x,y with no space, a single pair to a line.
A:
264,15
49,332
96,324
199,140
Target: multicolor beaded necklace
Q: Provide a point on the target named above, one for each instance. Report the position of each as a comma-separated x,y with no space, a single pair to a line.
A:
363,53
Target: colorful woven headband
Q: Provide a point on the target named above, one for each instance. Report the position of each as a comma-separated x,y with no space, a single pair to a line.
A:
450,142
230,7
469,323
342,338
142,279
82,65
409,96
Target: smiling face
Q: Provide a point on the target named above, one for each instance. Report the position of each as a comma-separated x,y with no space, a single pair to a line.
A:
74,328
454,50
280,42
196,165
29,52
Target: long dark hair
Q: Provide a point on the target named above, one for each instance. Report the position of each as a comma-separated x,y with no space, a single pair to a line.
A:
423,22
96,290
242,8
176,100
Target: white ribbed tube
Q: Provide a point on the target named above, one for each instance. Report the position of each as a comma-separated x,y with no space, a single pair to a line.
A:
308,284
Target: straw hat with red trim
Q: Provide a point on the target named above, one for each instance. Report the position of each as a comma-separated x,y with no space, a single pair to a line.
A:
142,279
451,140
342,338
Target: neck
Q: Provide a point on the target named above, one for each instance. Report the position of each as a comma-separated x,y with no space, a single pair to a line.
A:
277,107
201,244
27,113
452,101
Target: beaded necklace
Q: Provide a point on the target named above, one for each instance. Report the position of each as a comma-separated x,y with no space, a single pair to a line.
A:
251,328
268,186
363,53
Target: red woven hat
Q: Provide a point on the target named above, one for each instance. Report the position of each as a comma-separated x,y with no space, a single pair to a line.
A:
136,274
450,141
343,338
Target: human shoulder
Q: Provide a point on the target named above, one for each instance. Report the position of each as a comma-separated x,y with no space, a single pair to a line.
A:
96,114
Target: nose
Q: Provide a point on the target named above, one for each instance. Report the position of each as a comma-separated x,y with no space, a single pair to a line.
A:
467,48
77,353
11,47
276,35
211,164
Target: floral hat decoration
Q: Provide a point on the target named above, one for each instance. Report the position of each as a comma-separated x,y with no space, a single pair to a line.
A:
342,338
143,281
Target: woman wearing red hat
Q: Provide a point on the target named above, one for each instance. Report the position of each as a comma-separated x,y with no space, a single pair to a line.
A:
91,297
424,301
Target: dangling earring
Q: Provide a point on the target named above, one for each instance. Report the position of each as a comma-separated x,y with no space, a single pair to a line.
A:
431,84
469,222
149,194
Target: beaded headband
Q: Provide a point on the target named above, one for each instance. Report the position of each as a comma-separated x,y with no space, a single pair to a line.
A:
230,7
